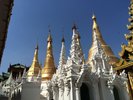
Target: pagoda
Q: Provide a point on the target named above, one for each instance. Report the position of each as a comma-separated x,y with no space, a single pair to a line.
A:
97,36
126,54
49,67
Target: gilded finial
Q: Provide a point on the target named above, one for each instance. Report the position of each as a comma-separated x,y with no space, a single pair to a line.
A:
93,17
95,26
36,53
37,47
49,39
78,36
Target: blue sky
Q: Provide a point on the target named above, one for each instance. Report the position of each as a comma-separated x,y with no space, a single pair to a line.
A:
30,20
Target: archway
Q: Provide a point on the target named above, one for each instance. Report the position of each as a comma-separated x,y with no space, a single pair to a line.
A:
84,92
116,93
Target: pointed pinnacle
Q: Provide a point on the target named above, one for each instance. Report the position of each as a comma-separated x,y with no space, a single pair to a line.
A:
95,26
49,39
78,36
74,27
93,17
63,40
37,47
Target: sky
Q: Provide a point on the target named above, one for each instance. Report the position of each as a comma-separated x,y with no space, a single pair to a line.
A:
31,20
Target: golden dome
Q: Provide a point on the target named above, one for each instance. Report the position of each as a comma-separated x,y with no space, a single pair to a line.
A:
106,48
35,66
49,66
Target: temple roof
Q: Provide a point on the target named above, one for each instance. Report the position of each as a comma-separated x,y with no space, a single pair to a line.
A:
1,78
62,58
126,53
17,67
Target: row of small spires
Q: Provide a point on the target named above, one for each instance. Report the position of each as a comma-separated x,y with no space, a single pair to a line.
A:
49,66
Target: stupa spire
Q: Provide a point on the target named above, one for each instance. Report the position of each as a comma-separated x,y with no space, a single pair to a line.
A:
35,66
96,36
49,66
96,31
76,51
62,59
81,51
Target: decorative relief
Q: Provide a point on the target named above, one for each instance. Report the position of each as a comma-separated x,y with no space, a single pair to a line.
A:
61,84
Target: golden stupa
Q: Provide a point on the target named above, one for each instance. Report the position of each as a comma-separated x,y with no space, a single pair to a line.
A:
49,66
105,47
35,66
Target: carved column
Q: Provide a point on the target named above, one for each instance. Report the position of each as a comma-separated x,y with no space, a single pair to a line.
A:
67,93
124,92
50,91
55,93
78,93
48,97
103,61
124,86
72,89
67,90
110,87
61,94
61,89
106,89
95,91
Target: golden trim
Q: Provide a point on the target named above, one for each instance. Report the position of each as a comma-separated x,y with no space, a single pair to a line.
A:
128,64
